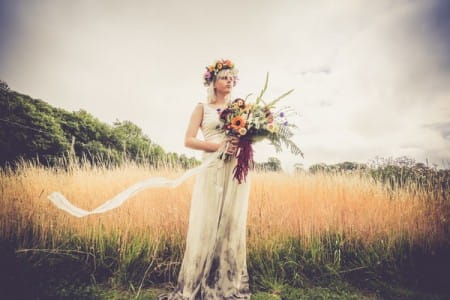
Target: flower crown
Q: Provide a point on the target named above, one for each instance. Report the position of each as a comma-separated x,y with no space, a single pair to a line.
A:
212,70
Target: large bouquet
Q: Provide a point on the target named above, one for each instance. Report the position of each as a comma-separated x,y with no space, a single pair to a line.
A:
253,122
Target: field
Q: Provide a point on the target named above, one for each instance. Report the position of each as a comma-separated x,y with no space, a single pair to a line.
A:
339,235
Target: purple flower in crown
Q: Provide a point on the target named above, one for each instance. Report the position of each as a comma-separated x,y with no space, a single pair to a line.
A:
207,77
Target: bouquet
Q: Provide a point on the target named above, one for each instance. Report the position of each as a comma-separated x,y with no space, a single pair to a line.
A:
253,122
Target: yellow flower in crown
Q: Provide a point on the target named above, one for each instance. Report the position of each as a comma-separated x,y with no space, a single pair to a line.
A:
219,66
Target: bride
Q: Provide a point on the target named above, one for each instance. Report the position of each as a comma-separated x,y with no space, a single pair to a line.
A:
214,263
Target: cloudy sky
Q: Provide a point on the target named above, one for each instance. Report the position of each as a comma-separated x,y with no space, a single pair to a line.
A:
371,78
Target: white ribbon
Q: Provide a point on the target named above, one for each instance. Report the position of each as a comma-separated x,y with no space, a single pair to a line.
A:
61,202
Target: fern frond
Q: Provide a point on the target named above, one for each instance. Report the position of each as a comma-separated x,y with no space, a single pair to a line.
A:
285,131
292,146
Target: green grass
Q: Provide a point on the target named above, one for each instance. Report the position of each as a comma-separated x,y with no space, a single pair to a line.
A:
284,292
332,267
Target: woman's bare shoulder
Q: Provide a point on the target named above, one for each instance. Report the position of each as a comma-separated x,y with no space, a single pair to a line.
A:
198,113
199,106
198,109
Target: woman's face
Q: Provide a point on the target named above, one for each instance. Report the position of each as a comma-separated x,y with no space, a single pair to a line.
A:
224,83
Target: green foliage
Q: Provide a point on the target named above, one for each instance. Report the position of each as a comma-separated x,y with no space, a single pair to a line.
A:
402,171
28,129
321,293
285,132
33,130
346,166
273,164
332,267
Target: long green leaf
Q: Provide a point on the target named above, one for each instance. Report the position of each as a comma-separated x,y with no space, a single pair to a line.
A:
263,90
279,98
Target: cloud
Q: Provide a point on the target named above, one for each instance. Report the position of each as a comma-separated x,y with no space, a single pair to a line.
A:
442,127
370,77
317,70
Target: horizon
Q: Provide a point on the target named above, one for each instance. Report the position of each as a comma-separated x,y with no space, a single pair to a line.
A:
370,79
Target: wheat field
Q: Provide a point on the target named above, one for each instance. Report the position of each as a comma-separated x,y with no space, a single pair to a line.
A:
302,229
304,206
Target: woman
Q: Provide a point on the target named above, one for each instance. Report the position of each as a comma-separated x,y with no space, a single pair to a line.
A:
214,263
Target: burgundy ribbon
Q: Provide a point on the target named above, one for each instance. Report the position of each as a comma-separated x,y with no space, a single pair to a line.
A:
245,159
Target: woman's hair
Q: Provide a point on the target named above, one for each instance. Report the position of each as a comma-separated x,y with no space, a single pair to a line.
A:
211,95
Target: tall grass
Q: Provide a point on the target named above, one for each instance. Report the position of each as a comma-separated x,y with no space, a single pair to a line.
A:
300,228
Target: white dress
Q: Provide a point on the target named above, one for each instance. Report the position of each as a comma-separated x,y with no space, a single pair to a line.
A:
214,265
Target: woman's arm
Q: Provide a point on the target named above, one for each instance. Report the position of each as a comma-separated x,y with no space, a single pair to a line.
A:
191,140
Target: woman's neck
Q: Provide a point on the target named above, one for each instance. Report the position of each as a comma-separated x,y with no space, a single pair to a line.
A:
220,99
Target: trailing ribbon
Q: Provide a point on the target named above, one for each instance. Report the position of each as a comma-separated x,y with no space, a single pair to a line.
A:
61,202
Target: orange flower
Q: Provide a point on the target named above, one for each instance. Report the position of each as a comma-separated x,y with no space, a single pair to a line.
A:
219,66
237,123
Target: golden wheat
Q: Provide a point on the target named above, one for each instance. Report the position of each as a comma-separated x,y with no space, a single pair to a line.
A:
303,206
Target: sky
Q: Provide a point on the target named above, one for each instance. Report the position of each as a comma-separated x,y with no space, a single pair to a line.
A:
370,78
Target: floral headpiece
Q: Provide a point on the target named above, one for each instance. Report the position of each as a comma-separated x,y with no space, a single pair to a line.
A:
212,70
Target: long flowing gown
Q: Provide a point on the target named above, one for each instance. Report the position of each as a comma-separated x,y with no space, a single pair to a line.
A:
214,264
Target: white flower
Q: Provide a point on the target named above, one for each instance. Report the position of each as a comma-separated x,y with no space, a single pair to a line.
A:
272,127
242,131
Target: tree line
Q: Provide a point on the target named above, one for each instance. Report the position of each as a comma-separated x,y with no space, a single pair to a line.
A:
32,129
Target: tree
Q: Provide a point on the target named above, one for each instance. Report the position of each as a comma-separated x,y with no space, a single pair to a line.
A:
273,164
31,127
